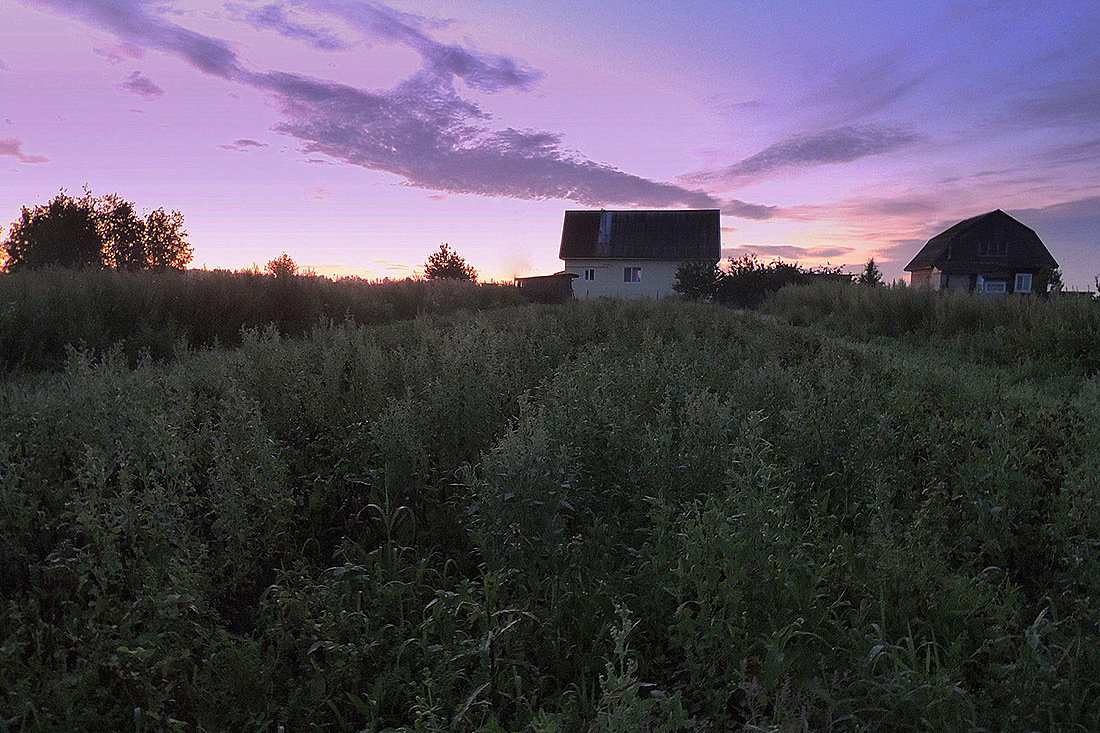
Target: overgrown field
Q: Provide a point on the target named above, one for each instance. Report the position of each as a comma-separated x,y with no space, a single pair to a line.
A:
46,312
598,516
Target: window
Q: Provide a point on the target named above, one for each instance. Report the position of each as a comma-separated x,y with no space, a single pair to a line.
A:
996,286
632,274
997,248
589,275
1023,282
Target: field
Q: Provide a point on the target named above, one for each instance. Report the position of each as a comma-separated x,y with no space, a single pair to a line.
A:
853,510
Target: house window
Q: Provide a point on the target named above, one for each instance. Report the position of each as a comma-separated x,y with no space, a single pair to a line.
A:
589,275
998,248
632,274
996,286
1023,282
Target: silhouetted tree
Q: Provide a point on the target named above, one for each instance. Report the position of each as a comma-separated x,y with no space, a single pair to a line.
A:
62,233
446,264
871,275
747,282
697,279
1047,281
122,231
282,266
91,231
166,245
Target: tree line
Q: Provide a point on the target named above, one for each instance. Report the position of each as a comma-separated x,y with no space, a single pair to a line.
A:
97,232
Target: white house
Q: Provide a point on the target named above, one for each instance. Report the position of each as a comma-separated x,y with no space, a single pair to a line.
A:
635,254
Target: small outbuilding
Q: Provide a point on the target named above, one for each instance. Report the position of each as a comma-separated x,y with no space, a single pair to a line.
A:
556,288
990,253
635,254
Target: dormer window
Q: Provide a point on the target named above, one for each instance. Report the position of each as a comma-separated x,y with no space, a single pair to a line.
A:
994,248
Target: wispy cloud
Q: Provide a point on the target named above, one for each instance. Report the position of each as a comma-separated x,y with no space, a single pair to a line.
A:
14,148
141,85
874,208
120,52
242,145
1068,102
486,72
276,17
862,88
840,145
789,251
745,210
422,130
3,66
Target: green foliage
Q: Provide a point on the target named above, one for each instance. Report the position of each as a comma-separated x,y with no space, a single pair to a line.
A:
44,313
95,232
697,279
871,276
1047,281
599,516
62,233
446,264
747,281
1011,331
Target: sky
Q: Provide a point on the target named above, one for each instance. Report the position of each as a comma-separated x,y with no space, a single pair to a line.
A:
357,135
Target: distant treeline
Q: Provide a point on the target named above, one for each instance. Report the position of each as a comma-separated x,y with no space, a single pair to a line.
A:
45,313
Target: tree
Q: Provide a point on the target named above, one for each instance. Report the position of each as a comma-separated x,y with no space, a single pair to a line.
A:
122,232
62,233
166,245
91,231
446,264
697,279
1047,281
282,267
871,275
747,282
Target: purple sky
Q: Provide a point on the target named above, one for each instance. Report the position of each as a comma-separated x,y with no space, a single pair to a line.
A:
357,135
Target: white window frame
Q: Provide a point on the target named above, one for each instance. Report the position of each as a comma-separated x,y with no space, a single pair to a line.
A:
589,275
1023,282
632,274
996,286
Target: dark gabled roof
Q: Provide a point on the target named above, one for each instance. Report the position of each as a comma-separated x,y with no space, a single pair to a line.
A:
691,234
957,249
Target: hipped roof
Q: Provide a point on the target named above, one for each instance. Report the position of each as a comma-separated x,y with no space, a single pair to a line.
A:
957,249
686,234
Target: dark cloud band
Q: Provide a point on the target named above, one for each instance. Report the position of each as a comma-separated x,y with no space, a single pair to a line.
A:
841,145
422,130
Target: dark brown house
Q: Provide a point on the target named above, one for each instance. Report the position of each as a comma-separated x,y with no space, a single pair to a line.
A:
990,253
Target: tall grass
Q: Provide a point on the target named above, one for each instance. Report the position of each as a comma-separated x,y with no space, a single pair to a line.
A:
600,516
1063,328
44,313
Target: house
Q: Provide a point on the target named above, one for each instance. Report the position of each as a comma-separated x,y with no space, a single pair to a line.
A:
991,253
635,254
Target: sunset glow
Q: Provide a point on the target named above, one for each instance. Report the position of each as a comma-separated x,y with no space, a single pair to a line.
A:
357,136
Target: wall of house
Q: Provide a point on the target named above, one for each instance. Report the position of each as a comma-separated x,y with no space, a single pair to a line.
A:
932,278
657,277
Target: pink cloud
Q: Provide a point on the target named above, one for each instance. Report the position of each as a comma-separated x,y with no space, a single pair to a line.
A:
14,148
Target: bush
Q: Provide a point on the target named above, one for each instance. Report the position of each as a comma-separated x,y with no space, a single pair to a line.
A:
596,516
